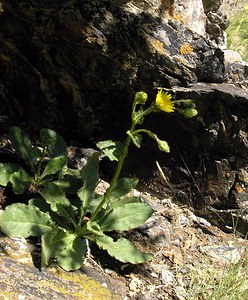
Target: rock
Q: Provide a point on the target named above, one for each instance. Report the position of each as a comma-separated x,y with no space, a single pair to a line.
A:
167,276
216,21
60,55
22,280
212,5
158,230
78,156
191,13
236,68
224,253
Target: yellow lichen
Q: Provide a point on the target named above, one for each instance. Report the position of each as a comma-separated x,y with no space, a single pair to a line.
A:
186,48
156,46
86,285
179,18
51,281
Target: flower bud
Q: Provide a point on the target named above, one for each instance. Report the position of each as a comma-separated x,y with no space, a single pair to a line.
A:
140,97
189,103
163,146
189,112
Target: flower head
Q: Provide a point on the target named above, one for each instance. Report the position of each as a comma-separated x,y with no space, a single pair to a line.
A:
163,101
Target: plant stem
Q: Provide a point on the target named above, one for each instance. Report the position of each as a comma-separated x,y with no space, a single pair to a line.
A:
135,120
116,174
149,132
38,170
141,115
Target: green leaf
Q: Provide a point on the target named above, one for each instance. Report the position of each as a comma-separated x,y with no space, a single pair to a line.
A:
125,200
73,172
41,204
123,187
6,170
20,181
54,166
94,228
24,148
90,176
72,257
68,212
20,220
126,217
16,175
113,150
136,138
54,195
94,202
123,250
53,242
55,144
69,184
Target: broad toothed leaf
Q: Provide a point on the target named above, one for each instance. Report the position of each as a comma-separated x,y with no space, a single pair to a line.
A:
54,166
6,170
69,184
90,178
113,150
55,144
126,217
123,250
54,195
123,187
72,257
20,220
20,181
24,148
54,242
125,200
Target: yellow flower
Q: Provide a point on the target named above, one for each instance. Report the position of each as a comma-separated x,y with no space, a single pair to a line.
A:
163,101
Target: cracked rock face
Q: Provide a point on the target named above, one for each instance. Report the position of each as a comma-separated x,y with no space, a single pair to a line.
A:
83,61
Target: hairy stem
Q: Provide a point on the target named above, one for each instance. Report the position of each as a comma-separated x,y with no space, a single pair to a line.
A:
116,174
